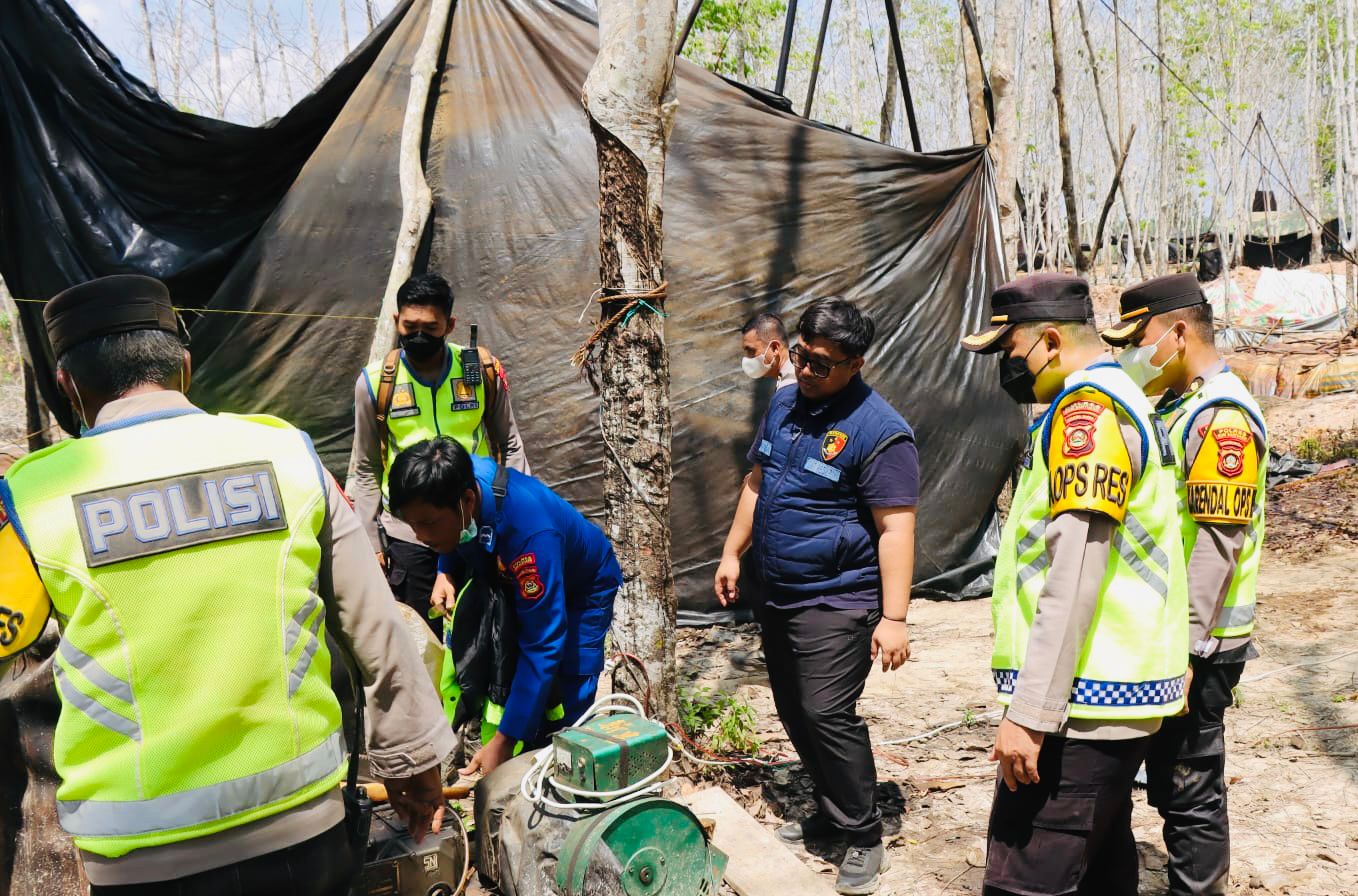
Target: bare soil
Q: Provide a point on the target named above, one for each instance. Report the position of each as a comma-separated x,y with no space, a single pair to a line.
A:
1292,738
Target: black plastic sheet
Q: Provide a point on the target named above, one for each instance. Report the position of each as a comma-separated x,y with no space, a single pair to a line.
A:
764,210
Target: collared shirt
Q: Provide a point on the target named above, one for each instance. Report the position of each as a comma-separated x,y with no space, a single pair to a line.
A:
1079,548
408,732
566,577
787,375
1212,562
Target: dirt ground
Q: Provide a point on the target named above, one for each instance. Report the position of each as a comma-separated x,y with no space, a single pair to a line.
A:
1292,738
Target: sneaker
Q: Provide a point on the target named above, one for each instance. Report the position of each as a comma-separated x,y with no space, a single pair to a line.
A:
860,872
815,827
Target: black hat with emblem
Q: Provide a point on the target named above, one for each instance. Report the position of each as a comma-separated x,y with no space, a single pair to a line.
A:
1145,300
120,303
1044,297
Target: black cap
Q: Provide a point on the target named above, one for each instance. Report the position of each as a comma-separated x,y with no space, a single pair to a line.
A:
1054,297
117,304
1145,300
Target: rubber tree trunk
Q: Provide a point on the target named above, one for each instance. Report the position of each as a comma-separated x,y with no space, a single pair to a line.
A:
975,77
1063,135
629,96
1002,62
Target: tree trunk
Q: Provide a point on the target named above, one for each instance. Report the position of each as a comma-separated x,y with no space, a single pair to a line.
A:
1112,191
177,59
1002,63
1107,125
259,64
1063,135
416,199
150,45
1161,255
344,25
630,98
282,56
218,90
372,20
975,78
1310,138
315,39
887,119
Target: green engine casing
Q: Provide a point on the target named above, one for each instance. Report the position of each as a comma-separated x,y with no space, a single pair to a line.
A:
610,752
646,847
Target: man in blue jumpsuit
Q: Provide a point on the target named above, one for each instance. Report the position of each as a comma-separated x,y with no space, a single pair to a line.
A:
563,568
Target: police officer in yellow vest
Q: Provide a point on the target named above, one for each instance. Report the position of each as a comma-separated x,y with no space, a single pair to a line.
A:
1089,605
438,389
195,563
1220,446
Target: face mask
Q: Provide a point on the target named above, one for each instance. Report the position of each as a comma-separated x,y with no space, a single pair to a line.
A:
421,347
755,367
1137,364
1017,379
469,533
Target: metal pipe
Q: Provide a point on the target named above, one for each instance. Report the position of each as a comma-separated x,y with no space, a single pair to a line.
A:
894,26
786,50
815,63
688,26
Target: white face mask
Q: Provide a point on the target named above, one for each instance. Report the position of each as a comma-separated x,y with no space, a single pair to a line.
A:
1137,363
756,367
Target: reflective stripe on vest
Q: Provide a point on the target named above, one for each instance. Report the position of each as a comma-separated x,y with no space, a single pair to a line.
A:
159,539
102,818
1236,618
1135,654
430,413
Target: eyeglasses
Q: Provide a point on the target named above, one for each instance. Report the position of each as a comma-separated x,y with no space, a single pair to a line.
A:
819,369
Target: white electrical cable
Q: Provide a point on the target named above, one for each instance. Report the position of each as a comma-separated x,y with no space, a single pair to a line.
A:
539,780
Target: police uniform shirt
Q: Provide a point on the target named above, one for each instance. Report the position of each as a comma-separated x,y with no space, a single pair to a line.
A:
408,732
1212,562
1079,547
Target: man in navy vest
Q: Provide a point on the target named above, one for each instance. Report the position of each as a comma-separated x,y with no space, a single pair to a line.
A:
829,512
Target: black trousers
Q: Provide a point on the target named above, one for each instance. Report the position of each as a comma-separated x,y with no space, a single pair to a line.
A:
1072,831
411,569
1186,775
321,866
818,660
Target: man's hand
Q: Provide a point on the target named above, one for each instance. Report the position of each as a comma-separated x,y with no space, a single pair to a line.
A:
499,750
728,580
1016,748
1188,684
382,560
444,596
418,801
891,642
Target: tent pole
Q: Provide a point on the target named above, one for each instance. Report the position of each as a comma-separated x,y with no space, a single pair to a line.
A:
688,26
894,27
815,63
786,50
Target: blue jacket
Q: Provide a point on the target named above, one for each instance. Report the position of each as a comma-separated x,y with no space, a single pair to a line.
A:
813,535
566,577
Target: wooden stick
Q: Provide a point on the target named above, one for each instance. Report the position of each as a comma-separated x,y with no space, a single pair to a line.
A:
377,792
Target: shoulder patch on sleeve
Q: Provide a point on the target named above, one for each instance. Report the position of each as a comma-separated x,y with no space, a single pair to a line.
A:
1088,465
1223,480
525,570
24,604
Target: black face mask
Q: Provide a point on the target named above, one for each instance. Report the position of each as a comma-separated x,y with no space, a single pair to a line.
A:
1017,379
421,347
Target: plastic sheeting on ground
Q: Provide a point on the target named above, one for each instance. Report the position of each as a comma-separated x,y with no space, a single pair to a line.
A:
1306,300
295,223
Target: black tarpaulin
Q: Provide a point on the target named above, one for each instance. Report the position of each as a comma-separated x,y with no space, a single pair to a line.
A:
764,210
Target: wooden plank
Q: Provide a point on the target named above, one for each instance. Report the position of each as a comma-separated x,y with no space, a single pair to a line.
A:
760,864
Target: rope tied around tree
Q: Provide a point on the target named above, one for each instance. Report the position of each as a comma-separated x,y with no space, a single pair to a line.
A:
635,302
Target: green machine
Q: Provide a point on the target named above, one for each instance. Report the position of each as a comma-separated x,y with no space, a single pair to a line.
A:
624,838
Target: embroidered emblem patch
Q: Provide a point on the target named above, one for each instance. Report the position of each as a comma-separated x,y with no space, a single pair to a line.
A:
525,570
403,401
1080,417
1231,450
834,442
